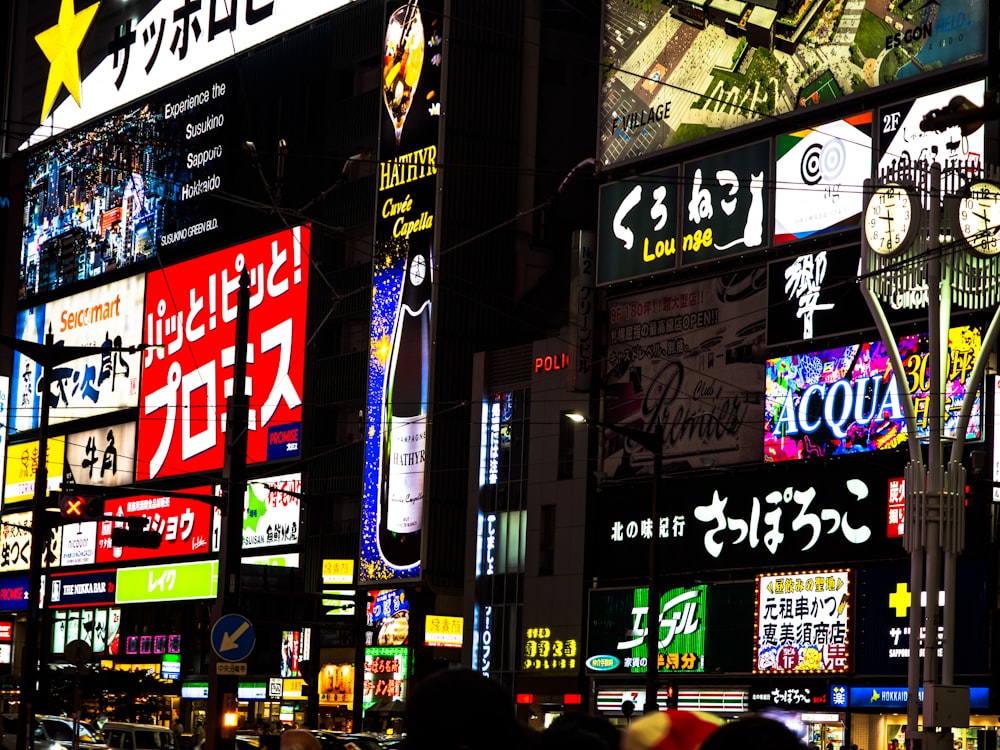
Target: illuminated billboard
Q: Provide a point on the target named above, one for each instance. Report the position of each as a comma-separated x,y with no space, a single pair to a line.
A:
680,357
184,526
618,635
638,224
727,204
22,467
167,583
110,54
682,71
386,671
190,317
403,268
901,138
16,540
803,622
127,187
820,173
270,512
107,317
846,400
102,456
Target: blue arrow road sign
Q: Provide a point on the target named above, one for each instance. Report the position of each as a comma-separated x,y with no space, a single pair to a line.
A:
233,638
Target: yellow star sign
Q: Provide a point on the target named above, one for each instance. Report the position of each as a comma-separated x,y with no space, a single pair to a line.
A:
61,45
899,600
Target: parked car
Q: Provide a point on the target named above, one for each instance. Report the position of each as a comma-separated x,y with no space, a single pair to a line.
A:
122,736
54,733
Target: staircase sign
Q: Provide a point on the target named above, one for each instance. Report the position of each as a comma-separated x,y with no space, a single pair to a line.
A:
233,638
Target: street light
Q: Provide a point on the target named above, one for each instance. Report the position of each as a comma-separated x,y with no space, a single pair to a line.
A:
934,523
653,442
46,356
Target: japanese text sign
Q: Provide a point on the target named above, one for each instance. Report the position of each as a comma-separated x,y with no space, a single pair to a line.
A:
618,636
722,521
637,234
129,52
270,513
106,318
103,456
191,317
846,400
22,467
16,539
727,204
802,622
184,526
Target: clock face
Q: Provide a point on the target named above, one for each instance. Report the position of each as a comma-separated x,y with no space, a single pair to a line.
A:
978,219
891,218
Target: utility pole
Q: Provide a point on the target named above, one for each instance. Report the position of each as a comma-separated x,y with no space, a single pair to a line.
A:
222,688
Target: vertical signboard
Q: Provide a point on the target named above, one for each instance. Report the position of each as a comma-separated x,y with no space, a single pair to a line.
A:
399,363
190,317
102,456
802,622
108,317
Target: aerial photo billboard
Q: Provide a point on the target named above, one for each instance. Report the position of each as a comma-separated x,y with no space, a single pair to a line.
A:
680,71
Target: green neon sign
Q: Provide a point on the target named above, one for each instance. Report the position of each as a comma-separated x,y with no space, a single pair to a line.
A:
167,583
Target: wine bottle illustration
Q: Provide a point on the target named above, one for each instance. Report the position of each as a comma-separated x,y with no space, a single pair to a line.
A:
404,453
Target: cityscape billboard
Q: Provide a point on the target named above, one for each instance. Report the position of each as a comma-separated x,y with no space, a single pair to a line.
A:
128,187
682,71
190,317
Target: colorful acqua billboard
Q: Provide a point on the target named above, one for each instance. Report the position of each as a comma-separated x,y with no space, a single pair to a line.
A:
190,317
846,400
404,264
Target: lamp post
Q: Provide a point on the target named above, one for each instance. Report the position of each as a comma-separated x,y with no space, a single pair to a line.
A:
46,356
934,525
653,442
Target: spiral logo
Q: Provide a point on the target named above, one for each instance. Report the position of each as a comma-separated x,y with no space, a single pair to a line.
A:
811,167
824,162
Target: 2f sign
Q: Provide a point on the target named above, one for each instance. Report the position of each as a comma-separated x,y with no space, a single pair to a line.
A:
890,122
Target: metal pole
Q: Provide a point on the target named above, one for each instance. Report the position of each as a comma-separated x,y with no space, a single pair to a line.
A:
653,612
231,538
39,540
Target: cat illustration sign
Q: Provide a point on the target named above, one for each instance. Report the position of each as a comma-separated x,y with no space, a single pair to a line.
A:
233,637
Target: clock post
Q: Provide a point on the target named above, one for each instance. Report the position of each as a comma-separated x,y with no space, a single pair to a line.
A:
908,210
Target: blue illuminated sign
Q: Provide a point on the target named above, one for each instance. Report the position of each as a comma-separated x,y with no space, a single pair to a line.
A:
895,697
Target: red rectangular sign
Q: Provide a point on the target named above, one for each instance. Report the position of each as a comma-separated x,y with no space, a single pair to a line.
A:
190,315
185,526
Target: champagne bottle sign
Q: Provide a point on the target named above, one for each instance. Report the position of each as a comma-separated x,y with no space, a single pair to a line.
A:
406,396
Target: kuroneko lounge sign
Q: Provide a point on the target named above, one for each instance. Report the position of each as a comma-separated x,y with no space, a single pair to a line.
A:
801,516
190,317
